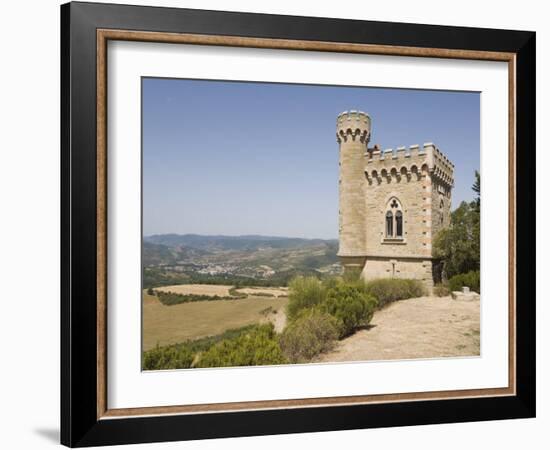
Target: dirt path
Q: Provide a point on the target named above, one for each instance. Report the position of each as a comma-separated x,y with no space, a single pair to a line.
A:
426,327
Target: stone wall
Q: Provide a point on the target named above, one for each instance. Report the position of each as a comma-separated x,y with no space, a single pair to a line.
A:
441,206
404,176
399,267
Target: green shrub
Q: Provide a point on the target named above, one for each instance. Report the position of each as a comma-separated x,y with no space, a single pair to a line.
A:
352,275
182,355
441,290
331,282
267,311
350,278
311,333
470,279
350,306
263,294
304,292
387,290
346,299
257,347
171,357
172,298
203,344
233,292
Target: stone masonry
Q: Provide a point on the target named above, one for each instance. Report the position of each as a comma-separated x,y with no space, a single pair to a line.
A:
392,203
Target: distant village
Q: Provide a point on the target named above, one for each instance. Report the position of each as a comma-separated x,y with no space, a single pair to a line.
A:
259,272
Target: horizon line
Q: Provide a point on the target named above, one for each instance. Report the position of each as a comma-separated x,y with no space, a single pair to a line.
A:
240,236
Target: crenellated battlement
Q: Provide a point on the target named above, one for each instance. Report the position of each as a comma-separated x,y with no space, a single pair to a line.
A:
409,162
443,168
354,125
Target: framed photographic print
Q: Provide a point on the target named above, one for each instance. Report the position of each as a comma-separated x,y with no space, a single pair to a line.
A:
276,224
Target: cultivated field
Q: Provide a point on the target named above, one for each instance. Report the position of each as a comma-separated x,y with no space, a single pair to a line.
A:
276,292
177,323
197,289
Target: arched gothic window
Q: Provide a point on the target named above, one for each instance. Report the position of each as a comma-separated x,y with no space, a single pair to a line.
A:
394,220
389,224
399,224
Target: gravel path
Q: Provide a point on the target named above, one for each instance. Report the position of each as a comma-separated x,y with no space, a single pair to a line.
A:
425,327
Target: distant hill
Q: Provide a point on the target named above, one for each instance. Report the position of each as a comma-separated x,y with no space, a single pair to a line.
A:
155,254
173,259
239,243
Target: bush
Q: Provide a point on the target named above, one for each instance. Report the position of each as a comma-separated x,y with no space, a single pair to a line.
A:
258,347
172,298
387,290
441,290
350,306
470,279
182,355
233,292
352,275
331,282
263,294
171,357
304,292
346,299
311,333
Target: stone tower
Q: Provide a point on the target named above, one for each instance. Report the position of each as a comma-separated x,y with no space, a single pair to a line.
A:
353,135
392,203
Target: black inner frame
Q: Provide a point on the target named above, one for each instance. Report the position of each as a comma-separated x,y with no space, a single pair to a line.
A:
79,424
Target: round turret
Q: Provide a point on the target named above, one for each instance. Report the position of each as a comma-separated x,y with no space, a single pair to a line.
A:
353,125
353,130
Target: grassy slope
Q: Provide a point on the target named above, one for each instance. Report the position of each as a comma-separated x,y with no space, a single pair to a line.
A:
171,324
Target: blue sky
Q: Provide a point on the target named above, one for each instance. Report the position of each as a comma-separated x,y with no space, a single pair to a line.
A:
239,158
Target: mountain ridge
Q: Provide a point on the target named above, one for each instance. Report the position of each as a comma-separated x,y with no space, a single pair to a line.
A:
250,259
229,242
